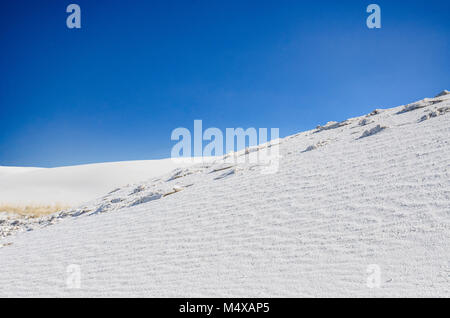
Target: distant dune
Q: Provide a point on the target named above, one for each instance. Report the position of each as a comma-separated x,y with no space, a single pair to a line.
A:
76,184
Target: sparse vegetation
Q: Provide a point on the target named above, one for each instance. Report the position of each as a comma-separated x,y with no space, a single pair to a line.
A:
34,210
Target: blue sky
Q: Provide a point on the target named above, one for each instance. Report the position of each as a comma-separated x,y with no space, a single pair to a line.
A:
116,88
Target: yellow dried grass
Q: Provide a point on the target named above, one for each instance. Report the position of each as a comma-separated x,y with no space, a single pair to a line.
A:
32,210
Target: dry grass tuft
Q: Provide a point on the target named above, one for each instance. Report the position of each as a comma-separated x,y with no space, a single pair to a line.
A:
32,210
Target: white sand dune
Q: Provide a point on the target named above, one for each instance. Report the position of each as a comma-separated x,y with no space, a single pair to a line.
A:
351,198
8,171
76,184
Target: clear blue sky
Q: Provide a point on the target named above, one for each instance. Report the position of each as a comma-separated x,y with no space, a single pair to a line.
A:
115,89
